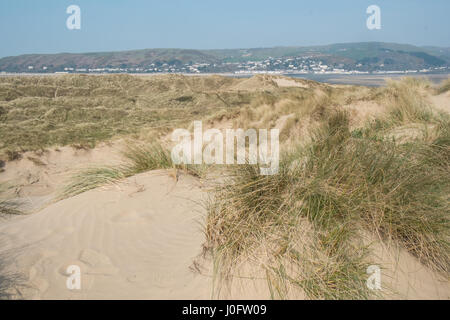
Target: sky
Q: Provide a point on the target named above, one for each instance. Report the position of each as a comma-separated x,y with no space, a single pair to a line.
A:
39,26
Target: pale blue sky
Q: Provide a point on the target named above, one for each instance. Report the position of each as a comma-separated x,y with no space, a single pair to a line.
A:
39,26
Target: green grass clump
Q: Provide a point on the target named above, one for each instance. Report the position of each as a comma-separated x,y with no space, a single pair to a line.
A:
92,178
342,184
406,102
146,158
143,158
399,191
138,159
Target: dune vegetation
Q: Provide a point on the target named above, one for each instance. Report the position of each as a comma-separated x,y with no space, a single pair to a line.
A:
39,112
346,185
357,163
342,183
138,159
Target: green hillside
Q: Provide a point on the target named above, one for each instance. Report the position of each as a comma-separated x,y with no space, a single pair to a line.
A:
365,56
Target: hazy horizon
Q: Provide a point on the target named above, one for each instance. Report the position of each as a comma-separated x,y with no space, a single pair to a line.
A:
203,49
40,27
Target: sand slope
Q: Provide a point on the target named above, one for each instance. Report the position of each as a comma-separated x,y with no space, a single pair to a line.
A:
135,240
36,179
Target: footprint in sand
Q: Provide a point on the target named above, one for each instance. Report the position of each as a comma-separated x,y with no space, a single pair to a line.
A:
35,264
132,216
92,264
98,263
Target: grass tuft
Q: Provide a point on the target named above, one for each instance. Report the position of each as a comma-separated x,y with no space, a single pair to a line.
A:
138,159
92,178
146,158
406,102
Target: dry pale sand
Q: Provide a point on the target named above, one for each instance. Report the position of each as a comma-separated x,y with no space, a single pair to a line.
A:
36,179
441,101
139,239
290,82
403,276
136,240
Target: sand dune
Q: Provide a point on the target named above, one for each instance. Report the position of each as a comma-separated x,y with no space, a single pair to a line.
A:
35,180
135,240
143,237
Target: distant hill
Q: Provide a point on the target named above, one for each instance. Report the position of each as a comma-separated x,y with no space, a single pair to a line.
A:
122,59
361,52
367,56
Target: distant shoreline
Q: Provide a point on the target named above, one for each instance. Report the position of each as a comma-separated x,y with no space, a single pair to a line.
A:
373,80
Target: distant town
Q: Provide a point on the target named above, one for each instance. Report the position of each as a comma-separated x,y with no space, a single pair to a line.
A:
353,58
294,65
